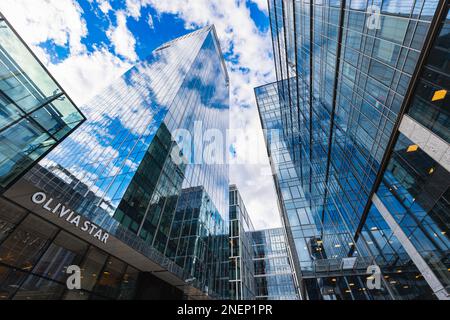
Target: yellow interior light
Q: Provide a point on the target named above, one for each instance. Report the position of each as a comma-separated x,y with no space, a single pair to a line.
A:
439,95
412,148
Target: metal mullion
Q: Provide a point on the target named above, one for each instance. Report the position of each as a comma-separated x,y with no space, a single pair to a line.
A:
279,59
333,109
297,82
180,236
27,113
311,50
273,39
283,13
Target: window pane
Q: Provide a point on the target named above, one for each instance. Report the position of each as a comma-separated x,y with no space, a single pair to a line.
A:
24,246
58,117
91,268
66,250
10,215
20,145
8,112
110,279
37,288
9,278
128,286
393,28
22,78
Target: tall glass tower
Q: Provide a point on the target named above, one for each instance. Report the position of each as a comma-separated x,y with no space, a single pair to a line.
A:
362,168
144,195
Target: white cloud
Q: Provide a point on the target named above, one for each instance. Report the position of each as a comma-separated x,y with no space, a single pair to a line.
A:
82,73
133,8
39,21
104,6
253,177
122,39
98,70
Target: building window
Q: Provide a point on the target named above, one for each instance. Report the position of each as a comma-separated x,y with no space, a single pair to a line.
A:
37,288
91,268
66,250
26,244
10,215
110,279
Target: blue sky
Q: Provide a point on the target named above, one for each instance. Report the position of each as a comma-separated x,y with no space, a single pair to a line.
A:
86,44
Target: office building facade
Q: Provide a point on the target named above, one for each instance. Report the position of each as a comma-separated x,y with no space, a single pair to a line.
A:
242,282
360,101
138,197
35,114
260,260
274,273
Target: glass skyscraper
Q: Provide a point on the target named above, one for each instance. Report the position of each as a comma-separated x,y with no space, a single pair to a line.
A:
362,168
35,113
130,188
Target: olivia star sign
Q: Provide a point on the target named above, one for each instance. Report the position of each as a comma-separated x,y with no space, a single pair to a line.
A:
70,216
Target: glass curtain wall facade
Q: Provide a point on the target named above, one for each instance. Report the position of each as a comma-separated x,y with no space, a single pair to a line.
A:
343,83
126,172
273,275
415,188
199,235
35,113
321,276
242,277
